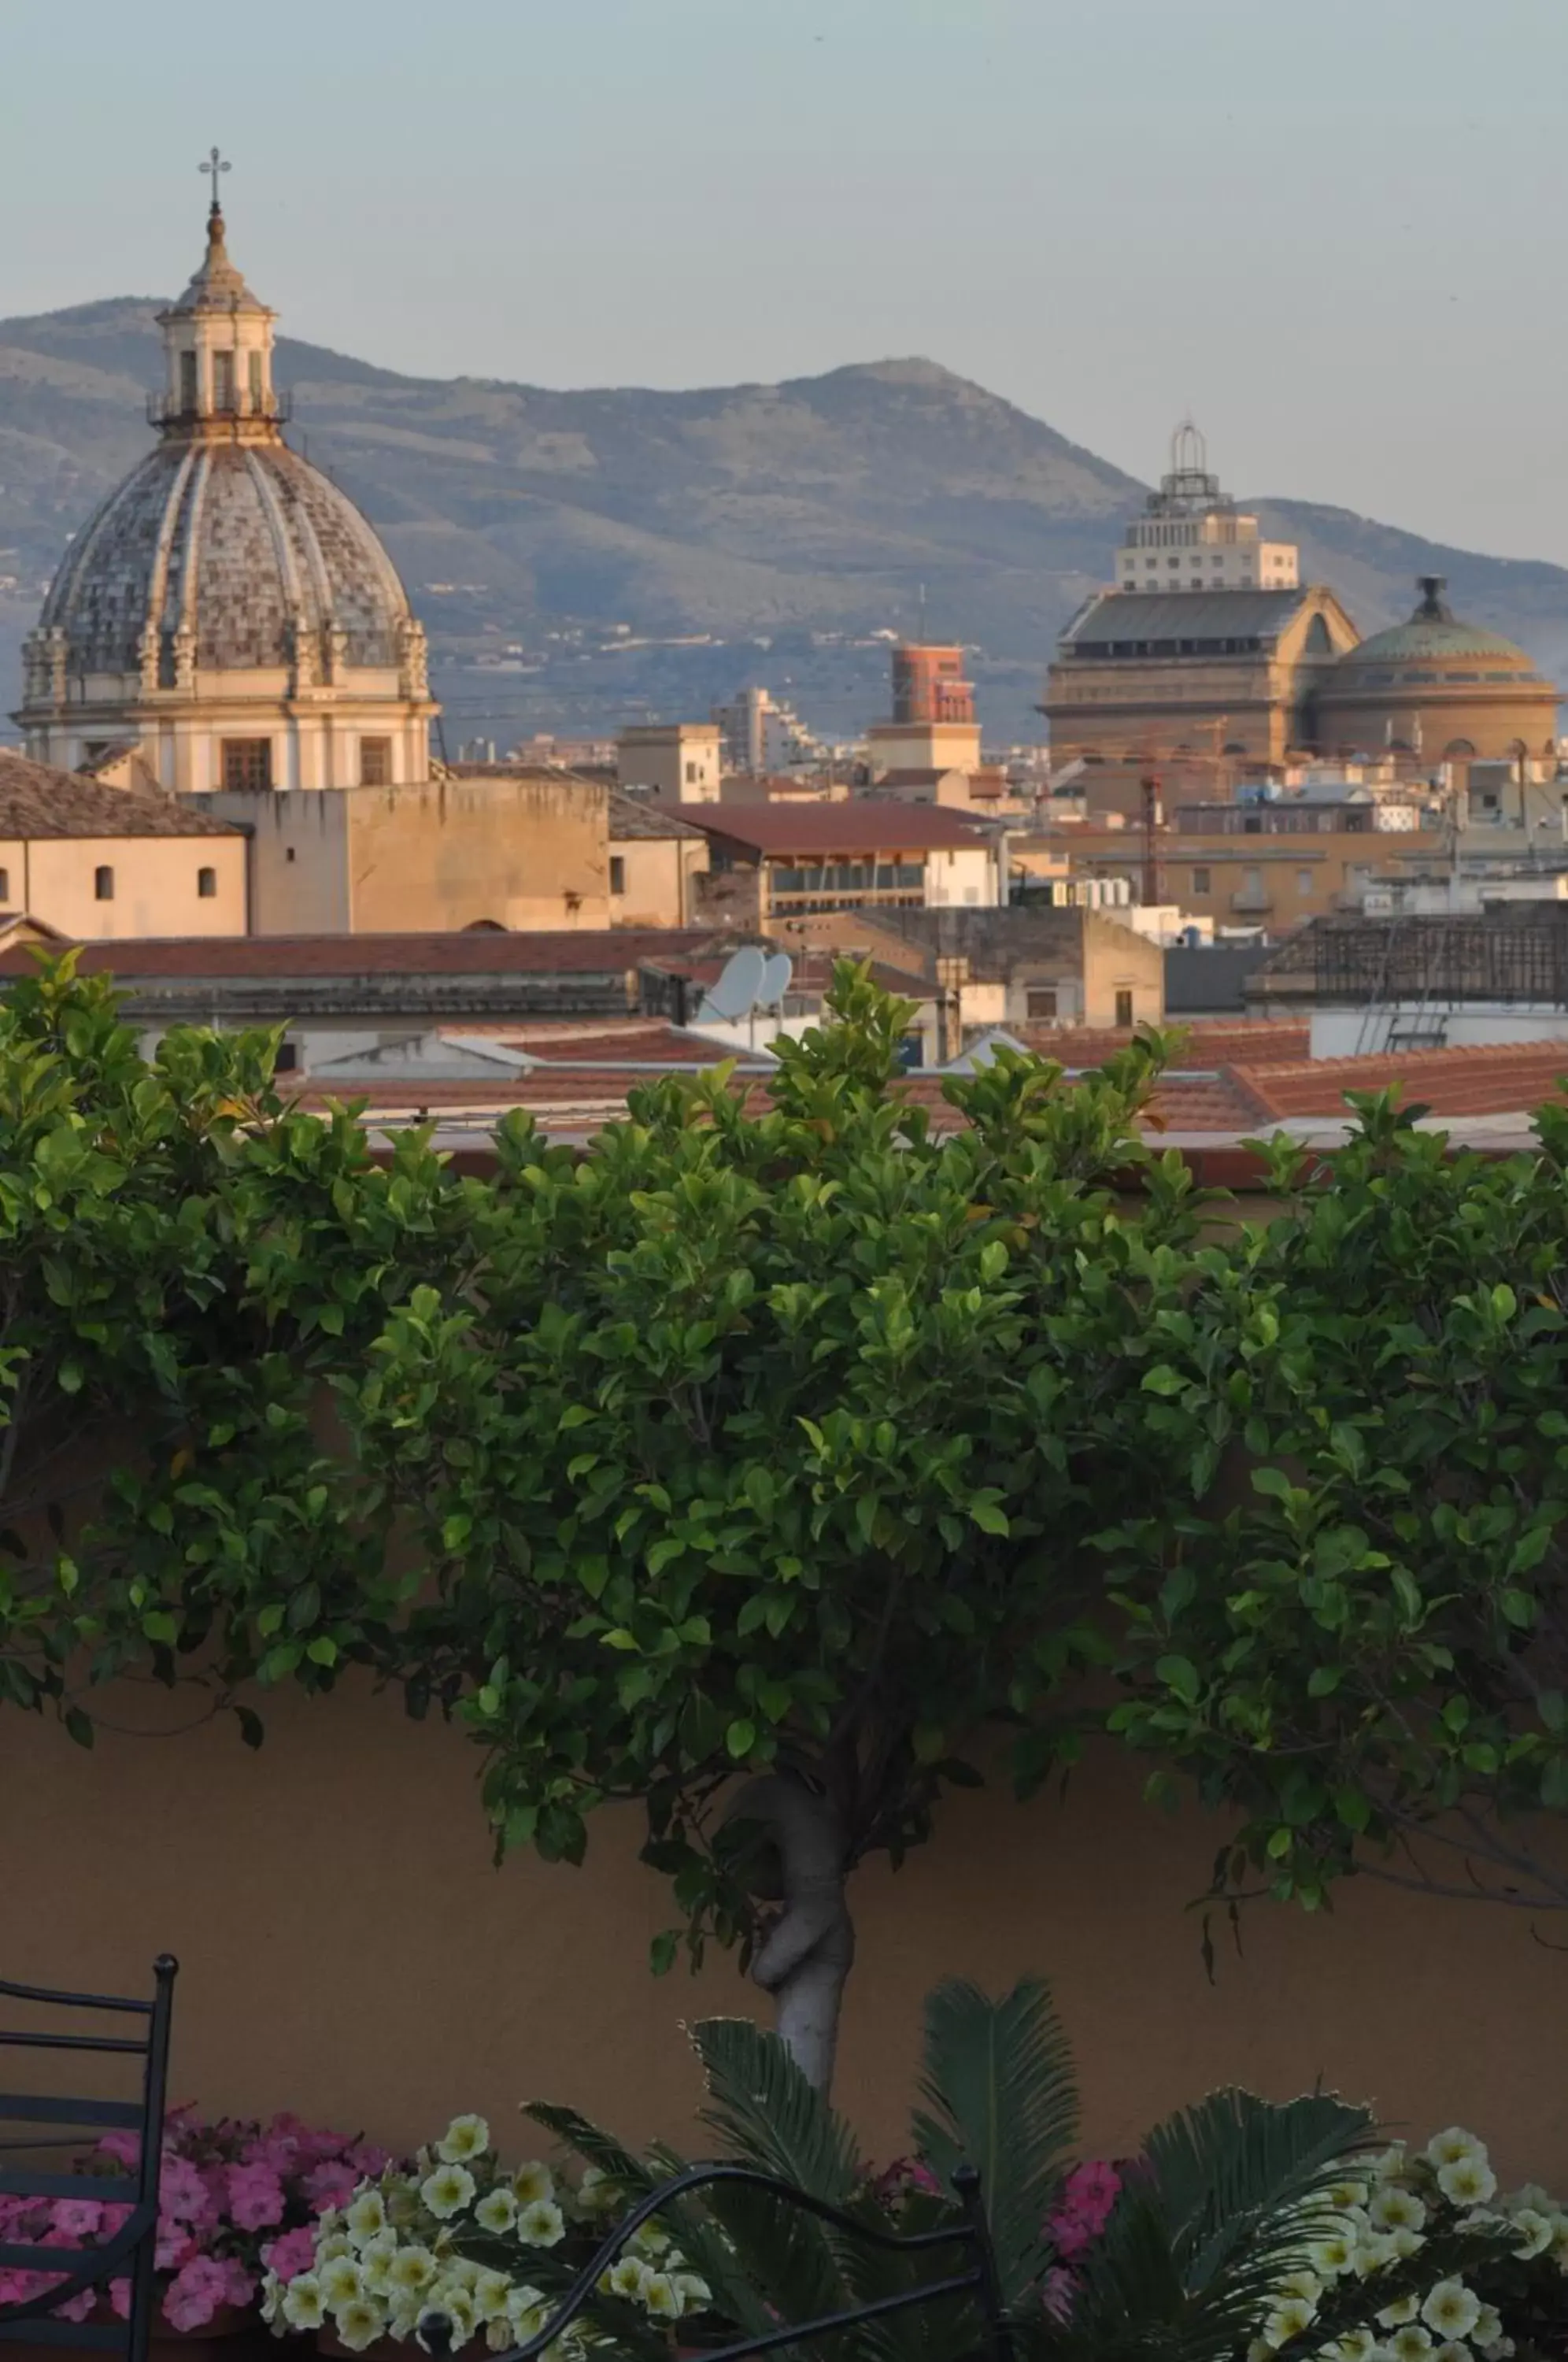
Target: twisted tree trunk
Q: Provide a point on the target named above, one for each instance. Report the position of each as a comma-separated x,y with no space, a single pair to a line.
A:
807,1953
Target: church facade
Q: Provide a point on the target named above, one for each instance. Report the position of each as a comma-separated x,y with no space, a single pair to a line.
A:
228,615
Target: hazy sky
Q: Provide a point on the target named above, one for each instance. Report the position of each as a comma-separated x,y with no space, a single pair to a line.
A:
1333,229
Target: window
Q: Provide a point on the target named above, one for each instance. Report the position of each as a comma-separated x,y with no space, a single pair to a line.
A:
1040,1000
1304,881
187,380
103,885
1124,1009
617,873
1201,882
255,380
691,775
375,762
287,1061
290,854
206,884
223,381
4,885
247,765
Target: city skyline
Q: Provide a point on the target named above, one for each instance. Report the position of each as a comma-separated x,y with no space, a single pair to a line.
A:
1327,248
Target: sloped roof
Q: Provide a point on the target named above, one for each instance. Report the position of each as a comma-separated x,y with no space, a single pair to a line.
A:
38,801
861,824
634,816
588,951
1139,616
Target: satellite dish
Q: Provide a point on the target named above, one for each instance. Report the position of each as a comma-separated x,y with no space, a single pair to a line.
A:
777,971
736,994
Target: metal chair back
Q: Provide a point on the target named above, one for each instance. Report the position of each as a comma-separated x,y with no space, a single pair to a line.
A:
36,2164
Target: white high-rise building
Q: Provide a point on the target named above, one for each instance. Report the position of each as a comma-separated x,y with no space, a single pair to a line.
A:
761,737
1192,537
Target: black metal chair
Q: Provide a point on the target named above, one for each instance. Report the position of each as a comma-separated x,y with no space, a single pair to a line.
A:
24,2172
974,2280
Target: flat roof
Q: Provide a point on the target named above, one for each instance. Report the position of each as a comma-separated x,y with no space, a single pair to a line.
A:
862,825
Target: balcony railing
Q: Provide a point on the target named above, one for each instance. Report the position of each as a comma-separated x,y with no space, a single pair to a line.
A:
173,409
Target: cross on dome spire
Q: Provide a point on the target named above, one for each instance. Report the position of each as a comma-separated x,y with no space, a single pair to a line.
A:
216,162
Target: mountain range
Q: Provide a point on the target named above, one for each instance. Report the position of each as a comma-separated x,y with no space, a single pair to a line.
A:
584,559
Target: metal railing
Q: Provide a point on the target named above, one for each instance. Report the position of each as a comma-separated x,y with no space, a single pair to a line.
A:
173,409
977,2281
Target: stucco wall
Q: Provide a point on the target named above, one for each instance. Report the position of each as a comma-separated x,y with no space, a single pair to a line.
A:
348,1949
156,885
656,879
521,852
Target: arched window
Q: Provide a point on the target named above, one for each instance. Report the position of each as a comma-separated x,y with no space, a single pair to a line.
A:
1458,750
104,885
1318,642
206,884
485,927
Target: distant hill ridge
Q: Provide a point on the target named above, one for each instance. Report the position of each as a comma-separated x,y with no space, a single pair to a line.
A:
817,506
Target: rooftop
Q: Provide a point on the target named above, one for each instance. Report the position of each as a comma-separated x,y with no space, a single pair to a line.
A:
588,951
632,816
37,801
1138,618
861,824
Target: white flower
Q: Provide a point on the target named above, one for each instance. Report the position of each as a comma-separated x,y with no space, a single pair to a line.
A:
1330,2258
448,2191
525,2313
693,2291
331,2244
359,2323
1455,2147
1356,2346
1454,2350
1287,2320
1394,2209
1535,2233
626,2278
339,2281
1451,2308
1560,2242
1500,2350
498,2212
1488,2326
542,2225
412,2268
465,2138
1347,2195
302,2305
1405,2245
1410,2344
650,2240
366,2217
1374,2252
458,2307
490,2292
1467,2180
596,2194
659,2297
1394,2316
1390,2164
271,2296
533,2184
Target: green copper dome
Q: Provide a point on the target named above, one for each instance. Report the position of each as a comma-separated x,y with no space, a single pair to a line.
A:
1433,636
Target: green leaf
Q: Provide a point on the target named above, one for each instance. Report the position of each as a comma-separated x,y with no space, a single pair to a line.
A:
741,1737
1180,1674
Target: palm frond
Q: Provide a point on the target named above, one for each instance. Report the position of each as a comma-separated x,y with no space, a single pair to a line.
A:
1001,2095
596,2148
1225,2202
767,2114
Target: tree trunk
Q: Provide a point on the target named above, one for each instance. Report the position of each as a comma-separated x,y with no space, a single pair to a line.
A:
806,1955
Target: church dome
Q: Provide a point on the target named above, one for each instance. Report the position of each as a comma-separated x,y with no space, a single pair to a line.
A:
228,613
1438,687
245,547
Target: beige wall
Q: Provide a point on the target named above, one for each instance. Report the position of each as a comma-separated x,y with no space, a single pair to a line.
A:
154,881
681,761
1297,876
656,875
347,1949
1116,960
524,852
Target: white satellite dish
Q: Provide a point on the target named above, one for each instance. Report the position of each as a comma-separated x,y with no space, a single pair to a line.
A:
777,974
735,993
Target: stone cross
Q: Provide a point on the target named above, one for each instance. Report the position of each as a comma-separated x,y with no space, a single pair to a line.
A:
215,163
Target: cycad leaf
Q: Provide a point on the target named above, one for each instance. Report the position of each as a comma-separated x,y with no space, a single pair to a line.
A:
1225,2202
1001,2095
767,2114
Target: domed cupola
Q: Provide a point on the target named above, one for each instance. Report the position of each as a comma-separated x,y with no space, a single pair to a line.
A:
228,609
1437,689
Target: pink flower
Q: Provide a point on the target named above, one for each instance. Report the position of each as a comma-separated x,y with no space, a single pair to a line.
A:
119,2299
183,2192
195,2292
75,2218
255,2196
239,2285
175,2245
369,2161
293,2253
78,2307
332,2184
120,2149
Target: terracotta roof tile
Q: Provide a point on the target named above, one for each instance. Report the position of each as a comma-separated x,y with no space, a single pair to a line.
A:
38,801
1495,1079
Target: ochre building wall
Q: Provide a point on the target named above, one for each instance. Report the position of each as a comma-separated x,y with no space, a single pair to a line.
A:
348,1951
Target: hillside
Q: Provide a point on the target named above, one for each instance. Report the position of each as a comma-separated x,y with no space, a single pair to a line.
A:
770,529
